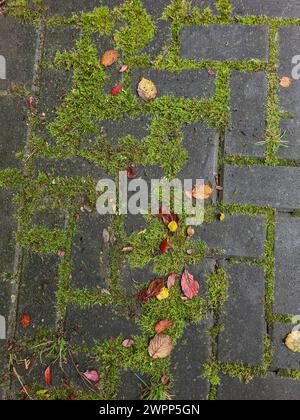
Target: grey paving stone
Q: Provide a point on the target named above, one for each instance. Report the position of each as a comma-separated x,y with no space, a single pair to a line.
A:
287,260
89,253
187,84
289,97
201,144
17,46
283,358
4,312
268,388
237,236
245,329
224,42
272,8
49,218
67,8
115,130
203,4
8,227
37,295
190,354
85,326
248,109
277,187
130,388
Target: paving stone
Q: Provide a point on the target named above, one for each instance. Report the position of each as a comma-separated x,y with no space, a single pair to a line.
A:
49,218
271,8
186,84
224,42
190,354
237,236
37,295
287,260
70,7
283,358
248,108
130,388
90,253
115,130
243,319
17,46
277,187
289,97
4,312
203,4
268,388
85,326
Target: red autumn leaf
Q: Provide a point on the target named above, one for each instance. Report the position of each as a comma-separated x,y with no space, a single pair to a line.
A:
171,281
48,376
167,217
163,326
165,246
153,290
71,398
117,89
92,376
189,285
25,320
130,173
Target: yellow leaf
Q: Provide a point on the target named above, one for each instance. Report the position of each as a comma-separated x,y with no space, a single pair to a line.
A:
164,294
147,90
173,227
222,217
292,341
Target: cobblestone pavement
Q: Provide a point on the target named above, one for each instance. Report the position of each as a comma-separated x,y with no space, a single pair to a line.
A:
226,111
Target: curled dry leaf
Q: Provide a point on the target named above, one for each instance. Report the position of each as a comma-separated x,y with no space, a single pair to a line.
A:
165,380
123,69
190,231
163,326
106,236
292,341
189,285
116,89
171,281
92,376
153,290
109,58
25,320
127,249
202,192
48,376
285,82
130,173
128,343
160,346
165,246
147,90
167,217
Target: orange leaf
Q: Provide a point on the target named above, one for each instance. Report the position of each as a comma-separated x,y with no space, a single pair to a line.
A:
25,320
202,192
48,376
163,326
109,58
285,82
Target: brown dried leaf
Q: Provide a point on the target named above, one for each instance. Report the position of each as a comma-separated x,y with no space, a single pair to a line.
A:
163,326
109,58
160,346
292,341
202,192
147,90
285,82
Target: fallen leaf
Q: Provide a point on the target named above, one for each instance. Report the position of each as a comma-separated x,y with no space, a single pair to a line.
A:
48,376
189,285
163,326
160,346
222,217
117,89
154,289
165,380
25,320
61,253
123,68
128,343
202,192
171,281
173,226
292,341
147,90
164,294
190,231
127,249
285,82
130,173
165,246
92,376
105,236
211,72
167,217
109,58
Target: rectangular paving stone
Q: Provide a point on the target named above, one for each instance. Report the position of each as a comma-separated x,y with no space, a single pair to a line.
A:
283,358
130,388
17,46
248,93
287,261
186,84
190,354
243,319
4,313
224,42
278,187
70,7
85,326
90,259
289,38
268,388
237,236
271,8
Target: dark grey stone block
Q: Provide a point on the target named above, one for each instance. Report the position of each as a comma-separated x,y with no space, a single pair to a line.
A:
271,8
287,261
70,7
203,4
130,387
190,354
237,236
115,130
283,358
245,329
224,42
289,38
49,219
277,187
85,326
90,260
17,46
248,108
268,388
186,84
8,226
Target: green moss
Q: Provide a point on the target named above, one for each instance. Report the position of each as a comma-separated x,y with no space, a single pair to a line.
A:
43,241
217,289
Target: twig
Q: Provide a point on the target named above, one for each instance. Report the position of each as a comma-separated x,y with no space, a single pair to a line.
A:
21,382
